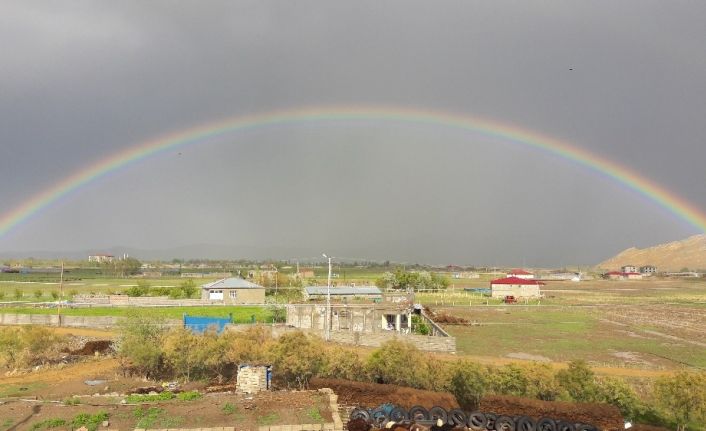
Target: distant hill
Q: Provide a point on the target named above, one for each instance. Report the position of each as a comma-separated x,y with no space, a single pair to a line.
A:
673,256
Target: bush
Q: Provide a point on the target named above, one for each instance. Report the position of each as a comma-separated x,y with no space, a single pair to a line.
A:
419,326
683,397
391,364
542,383
146,398
142,289
2,295
54,295
342,363
38,293
468,384
140,344
297,358
509,380
72,293
189,396
621,395
579,382
18,294
26,346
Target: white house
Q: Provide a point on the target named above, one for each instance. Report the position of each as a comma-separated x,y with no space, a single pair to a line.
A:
521,273
628,268
101,258
515,286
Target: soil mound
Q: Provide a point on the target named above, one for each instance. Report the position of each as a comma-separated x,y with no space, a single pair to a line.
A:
373,394
603,416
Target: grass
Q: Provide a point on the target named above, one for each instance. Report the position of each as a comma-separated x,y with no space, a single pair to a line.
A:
6,423
154,417
90,421
73,401
47,424
228,409
163,396
315,415
21,389
268,419
561,334
241,314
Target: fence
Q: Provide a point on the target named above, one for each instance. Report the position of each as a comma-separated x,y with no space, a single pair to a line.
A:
68,321
201,324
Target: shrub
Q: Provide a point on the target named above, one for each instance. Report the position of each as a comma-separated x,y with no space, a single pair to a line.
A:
2,295
54,295
342,363
621,395
73,401
72,293
419,326
146,398
468,384
297,368
683,396
140,345
391,364
541,382
578,381
47,424
38,293
509,380
18,294
142,289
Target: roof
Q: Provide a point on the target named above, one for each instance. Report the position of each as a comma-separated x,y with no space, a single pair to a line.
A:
516,280
520,272
614,273
343,290
231,283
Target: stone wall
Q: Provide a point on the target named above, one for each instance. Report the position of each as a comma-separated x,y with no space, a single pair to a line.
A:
68,321
422,342
252,379
141,301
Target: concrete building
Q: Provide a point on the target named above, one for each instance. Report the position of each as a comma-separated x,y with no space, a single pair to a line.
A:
101,258
515,286
628,268
343,292
648,270
349,317
521,273
233,290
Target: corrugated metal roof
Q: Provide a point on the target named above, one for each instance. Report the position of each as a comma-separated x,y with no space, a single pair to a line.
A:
231,283
343,290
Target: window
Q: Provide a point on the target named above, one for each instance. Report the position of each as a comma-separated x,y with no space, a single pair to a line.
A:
233,294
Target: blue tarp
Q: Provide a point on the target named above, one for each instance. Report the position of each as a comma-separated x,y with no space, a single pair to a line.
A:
201,324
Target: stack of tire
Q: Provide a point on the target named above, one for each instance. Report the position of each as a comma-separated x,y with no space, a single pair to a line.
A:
475,421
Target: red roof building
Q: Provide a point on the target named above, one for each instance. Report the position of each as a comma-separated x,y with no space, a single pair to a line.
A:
515,286
520,273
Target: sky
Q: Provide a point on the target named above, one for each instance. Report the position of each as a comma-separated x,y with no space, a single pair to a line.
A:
83,80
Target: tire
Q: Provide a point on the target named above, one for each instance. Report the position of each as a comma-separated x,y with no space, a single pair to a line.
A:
457,417
490,423
437,412
525,423
379,417
585,427
398,414
477,421
546,424
359,413
504,423
418,413
565,426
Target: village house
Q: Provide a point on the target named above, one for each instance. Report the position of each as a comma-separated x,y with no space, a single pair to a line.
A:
515,286
234,291
521,273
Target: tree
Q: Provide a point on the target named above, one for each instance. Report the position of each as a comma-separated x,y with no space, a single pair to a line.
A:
683,395
140,343
510,380
468,384
401,280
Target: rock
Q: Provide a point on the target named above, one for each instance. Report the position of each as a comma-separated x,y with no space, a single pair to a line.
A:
123,402
83,428
105,424
106,389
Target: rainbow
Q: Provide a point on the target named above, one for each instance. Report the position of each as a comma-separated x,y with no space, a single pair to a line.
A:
200,133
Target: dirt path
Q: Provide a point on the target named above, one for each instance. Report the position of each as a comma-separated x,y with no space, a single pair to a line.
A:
69,373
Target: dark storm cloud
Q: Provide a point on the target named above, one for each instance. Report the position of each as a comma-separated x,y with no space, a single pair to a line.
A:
627,80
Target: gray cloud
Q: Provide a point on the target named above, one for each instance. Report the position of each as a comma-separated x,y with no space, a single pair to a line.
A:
82,80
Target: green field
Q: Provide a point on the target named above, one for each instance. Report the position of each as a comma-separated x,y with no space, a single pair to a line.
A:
241,314
564,334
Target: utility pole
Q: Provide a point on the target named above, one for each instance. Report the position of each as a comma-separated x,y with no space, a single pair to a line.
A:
61,290
328,301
